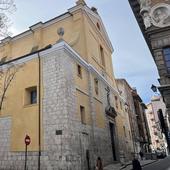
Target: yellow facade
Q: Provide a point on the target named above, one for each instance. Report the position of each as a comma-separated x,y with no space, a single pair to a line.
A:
83,35
24,115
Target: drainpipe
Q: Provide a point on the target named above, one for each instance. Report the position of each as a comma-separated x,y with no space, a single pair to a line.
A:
39,106
39,112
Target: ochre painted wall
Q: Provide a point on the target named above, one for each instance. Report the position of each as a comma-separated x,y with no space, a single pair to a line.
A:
83,100
100,118
24,116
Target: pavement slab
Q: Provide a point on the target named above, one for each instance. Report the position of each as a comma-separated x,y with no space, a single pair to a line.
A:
128,166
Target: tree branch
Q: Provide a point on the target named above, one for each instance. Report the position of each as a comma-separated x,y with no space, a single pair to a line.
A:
8,75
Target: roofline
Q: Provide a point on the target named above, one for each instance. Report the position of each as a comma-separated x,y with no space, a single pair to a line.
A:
136,95
26,55
87,9
35,26
125,81
144,105
55,20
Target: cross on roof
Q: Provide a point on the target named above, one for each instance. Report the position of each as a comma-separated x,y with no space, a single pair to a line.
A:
80,2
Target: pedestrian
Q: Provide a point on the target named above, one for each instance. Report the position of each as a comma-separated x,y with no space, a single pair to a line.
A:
99,165
136,164
141,155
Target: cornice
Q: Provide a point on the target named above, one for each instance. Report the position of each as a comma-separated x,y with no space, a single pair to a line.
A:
37,25
71,53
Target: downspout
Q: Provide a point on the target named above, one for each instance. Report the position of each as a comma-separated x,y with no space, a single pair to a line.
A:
39,112
39,106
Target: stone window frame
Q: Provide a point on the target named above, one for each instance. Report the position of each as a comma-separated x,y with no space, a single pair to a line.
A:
165,61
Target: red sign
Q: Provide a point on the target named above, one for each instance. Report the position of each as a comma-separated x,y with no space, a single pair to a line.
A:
27,140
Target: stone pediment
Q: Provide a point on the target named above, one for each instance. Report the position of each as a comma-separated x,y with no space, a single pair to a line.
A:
110,111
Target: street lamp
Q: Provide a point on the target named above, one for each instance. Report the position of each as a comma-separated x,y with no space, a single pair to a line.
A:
154,88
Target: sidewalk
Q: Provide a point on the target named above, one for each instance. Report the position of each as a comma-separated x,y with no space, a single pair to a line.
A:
128,166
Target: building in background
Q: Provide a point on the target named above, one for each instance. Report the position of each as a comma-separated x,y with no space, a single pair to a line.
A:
144,135
61,91
137,118
157,136
126,92
153,18
129,120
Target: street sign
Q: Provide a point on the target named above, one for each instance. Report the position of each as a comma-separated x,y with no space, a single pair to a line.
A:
27,140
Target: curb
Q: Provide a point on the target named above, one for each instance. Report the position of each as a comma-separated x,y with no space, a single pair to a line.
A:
142,165
125,166
149,163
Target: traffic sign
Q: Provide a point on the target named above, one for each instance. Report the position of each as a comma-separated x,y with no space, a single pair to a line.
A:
27,140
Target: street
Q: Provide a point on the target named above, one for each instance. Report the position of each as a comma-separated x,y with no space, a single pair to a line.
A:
163,164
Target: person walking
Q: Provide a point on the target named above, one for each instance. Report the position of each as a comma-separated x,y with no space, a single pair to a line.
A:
99,165
141,155
136,164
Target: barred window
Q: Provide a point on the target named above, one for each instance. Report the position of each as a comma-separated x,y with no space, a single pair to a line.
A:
166,52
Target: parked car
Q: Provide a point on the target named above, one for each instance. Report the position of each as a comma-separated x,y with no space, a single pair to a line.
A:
161,154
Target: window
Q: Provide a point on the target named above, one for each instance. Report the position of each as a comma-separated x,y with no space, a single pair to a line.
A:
31,95
79,71
124,129
82,114
102,56
121,107
129,135
116,101
96,86
166,52
98,25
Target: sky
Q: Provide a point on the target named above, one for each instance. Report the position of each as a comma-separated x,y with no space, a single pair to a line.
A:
131,58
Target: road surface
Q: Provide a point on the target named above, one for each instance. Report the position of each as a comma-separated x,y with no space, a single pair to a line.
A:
163,164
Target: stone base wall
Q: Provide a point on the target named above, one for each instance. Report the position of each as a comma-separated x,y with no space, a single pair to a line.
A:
71,149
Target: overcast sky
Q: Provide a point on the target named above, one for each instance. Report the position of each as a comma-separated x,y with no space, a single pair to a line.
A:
131,58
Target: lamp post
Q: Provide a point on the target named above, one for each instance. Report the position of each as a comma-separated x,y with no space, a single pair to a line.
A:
154,88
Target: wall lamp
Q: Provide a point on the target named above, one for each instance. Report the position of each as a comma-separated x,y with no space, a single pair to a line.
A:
154,88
